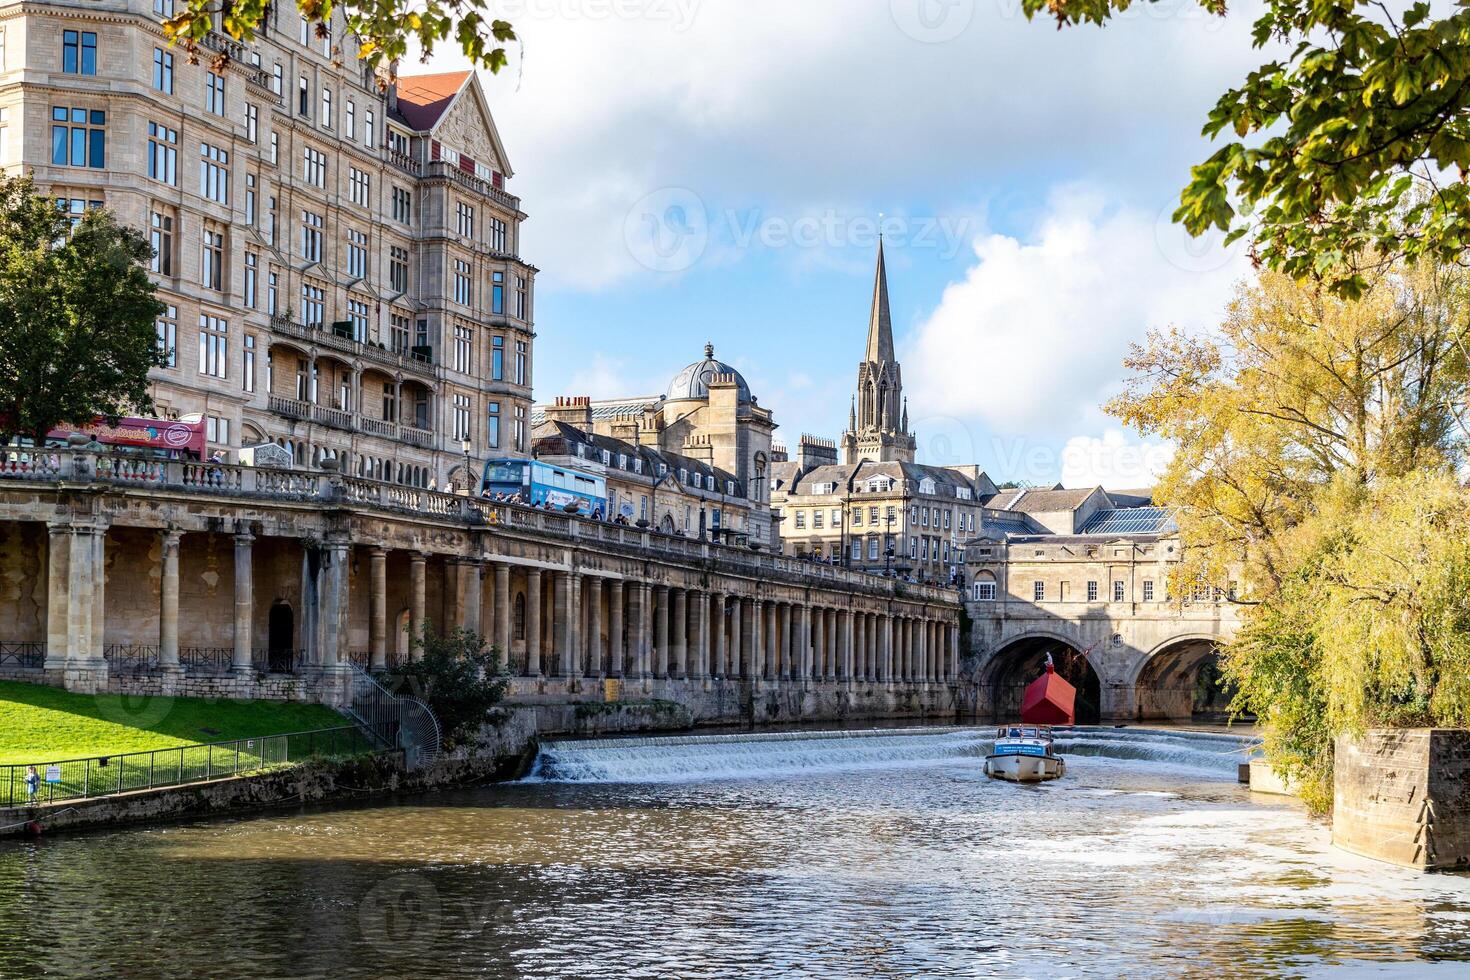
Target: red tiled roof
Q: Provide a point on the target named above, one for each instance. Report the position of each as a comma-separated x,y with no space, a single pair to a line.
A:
422,99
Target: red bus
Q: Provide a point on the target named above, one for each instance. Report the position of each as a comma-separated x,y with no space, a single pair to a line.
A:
181,439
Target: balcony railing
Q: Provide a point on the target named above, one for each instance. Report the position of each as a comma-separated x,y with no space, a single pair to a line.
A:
289,407
416,437
405,163
67,466
334,417
315,334
440,168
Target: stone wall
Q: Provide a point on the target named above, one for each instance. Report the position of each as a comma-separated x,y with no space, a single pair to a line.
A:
503,751
1403,796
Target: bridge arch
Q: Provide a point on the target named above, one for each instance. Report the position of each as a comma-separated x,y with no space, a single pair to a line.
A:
1179,680
1019,660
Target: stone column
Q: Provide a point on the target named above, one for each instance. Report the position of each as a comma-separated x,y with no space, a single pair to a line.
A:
81,602
596,663
882,648
817,620
661,631
745,639
533,622
680,628
561,622
735,650
834,645
804,642
472,596
577,636
168,600
719,630
781,649
698,634
99,593
770,661
378,608
244,603
417,575
844,645
334,602
502,613
58,560
615,652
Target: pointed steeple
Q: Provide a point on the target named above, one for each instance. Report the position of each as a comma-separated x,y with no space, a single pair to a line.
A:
852,415
880,324
904,425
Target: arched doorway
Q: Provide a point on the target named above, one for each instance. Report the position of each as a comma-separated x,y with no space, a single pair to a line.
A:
667,524
281,637
1182,681
1021,661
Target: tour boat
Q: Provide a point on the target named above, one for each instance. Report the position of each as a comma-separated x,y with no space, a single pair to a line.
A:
1023,754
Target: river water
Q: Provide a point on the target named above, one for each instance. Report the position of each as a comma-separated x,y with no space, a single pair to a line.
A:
857,854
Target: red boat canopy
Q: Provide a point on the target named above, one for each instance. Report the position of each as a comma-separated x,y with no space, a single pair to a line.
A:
1049,700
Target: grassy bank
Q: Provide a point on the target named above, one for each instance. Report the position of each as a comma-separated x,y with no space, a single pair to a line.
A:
40,724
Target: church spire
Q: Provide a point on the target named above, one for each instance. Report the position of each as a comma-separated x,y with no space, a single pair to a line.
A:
880,324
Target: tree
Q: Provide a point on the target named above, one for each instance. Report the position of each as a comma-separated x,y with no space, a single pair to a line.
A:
382,29
77,314
1299,389
456,675
1318,441
1353,148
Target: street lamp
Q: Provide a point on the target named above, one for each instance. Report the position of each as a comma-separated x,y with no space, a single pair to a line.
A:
465,445
888,545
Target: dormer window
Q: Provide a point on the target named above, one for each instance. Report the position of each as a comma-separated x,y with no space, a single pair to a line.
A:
606,458
963,493
683,475
926,485
637,465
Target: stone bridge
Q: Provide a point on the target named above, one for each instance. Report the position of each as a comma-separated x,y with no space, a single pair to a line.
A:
118,573
1131,661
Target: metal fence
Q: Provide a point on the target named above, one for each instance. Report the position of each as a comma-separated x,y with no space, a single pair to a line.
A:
74,779
397,722
22,654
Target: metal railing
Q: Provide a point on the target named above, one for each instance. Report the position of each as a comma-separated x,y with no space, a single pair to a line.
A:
23,653
108,775
396,722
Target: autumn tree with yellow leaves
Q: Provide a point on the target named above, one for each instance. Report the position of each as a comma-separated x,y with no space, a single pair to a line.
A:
1319,442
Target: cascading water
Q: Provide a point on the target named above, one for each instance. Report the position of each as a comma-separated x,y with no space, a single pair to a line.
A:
702,757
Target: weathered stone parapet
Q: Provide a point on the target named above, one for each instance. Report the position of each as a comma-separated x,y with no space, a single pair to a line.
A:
1403,796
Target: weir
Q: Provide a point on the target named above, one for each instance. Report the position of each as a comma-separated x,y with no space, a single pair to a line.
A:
706,757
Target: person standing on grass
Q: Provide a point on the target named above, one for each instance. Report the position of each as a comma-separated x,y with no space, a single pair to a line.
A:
33,782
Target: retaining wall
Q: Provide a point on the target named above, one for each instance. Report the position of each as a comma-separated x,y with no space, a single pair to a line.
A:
1403,796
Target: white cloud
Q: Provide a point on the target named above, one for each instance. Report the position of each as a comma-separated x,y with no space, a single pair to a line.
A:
795,108
1113,460
1032,340
613,377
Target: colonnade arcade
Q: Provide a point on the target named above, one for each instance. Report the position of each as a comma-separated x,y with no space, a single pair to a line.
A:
154,582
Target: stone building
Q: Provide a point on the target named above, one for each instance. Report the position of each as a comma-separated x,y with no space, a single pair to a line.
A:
877,510
1083,575
647,487
149,576
340,263
707,417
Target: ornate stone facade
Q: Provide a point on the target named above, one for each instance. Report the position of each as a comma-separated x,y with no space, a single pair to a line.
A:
340,264
183,574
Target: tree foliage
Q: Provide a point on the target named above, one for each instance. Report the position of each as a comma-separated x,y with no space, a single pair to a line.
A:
1297,389
457,675
1353,147
1318,442
77,314
382,30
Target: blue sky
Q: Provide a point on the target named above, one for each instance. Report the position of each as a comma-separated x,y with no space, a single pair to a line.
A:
714,170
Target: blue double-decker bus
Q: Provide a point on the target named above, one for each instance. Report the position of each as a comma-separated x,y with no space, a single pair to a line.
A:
540,484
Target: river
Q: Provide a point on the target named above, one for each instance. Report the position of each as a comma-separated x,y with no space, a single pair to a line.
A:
856,854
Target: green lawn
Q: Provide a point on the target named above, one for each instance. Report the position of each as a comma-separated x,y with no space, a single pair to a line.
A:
42,724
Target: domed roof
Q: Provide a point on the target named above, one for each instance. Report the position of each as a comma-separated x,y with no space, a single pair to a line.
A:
694,380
